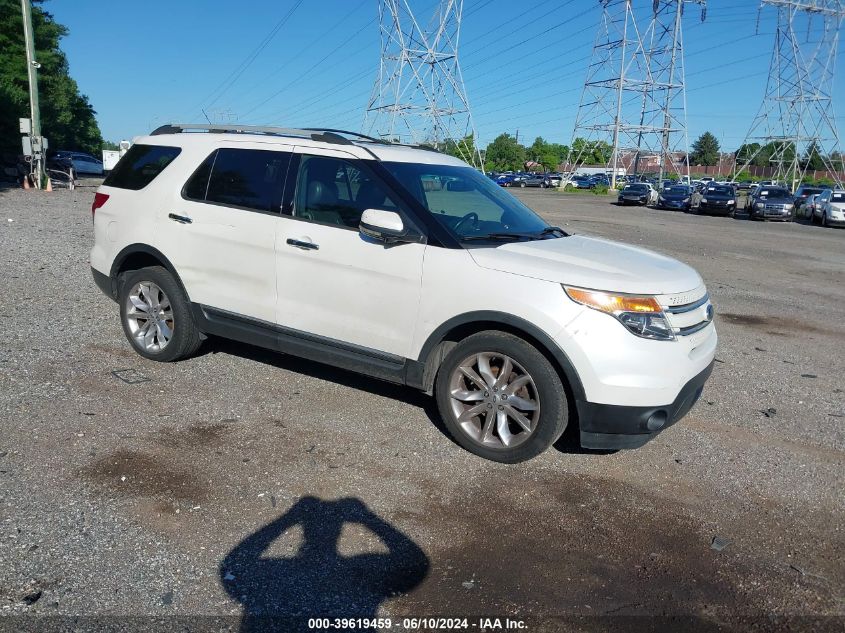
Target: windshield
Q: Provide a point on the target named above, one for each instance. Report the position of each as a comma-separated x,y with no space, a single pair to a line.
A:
775,193
677,191
837,197
721,191
635,188
465,202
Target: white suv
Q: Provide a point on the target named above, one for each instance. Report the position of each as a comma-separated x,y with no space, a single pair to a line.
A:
407,265
829,208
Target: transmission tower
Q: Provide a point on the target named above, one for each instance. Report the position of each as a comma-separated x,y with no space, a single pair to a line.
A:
419,95
797,117
633,106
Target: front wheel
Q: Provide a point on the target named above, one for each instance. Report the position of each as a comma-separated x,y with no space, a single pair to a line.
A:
156,315
501,398
522,184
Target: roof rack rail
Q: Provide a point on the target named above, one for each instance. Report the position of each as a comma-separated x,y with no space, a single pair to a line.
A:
326,135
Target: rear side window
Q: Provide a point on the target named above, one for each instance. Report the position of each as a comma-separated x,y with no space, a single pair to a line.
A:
243,178
140,165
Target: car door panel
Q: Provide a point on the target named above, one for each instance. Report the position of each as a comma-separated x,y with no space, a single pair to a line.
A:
333,282
225,255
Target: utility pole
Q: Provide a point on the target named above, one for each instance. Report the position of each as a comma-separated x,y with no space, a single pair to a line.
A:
419,95
797,113
633,100
32,67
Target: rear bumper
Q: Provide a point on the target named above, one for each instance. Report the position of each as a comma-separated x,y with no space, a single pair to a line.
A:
608,426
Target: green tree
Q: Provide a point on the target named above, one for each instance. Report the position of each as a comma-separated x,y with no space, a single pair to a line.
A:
67,118
111,145
505,153
591,152
705,150
463,148
549,155
813,158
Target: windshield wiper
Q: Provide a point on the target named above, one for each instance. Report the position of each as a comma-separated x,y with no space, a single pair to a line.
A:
553,229
496,236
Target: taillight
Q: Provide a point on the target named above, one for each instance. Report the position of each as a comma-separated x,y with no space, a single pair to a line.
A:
99,200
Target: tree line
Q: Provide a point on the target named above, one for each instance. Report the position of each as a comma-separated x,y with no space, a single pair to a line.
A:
67,118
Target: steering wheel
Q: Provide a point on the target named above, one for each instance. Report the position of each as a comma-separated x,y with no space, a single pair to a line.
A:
472,215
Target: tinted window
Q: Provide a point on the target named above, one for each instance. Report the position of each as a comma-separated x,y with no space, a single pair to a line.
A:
140,165
197,185
678,191
725,191
248,178
335,191
837,197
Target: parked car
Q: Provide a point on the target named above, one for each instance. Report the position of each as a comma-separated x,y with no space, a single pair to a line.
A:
582,182
533,180
801,195
772,203
676,197
717,199
808,209
830,207
638,193
744,185
505,180
82,163
552,180
335,249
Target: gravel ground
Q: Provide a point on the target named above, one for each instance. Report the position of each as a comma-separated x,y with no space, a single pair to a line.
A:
241,482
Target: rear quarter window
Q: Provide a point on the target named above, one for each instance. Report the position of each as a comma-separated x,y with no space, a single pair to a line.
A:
140,166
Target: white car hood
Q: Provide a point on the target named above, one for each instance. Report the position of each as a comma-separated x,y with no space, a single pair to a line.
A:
591,262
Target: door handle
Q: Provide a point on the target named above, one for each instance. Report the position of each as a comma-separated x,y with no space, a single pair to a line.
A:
181,219
309,246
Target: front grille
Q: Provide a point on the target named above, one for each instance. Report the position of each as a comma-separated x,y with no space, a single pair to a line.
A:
688,313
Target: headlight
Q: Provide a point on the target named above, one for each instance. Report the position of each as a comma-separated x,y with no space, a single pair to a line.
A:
642,315
760,205
731,201
686,199
704,199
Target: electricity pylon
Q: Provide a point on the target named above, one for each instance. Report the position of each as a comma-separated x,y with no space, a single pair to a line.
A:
796,117
419,95
634,99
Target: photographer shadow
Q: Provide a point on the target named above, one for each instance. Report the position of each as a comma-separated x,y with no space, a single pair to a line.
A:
281,594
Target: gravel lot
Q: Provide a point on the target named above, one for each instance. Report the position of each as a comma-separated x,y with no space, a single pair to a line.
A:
243,482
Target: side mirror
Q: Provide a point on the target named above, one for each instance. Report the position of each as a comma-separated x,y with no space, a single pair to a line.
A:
385,226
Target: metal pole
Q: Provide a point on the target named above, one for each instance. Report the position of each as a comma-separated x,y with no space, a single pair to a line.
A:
667,118
32,74
617,123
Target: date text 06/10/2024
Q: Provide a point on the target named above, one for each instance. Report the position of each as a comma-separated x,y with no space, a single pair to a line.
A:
482,624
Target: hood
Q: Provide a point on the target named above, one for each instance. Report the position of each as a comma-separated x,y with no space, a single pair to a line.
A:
718,196
675,196
590,262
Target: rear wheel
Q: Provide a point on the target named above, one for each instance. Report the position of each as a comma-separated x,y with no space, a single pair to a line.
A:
156,315
501,398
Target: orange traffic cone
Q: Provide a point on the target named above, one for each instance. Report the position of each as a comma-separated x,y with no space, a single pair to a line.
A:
49,186
26,181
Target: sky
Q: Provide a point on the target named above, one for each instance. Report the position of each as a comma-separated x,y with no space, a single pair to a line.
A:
310,63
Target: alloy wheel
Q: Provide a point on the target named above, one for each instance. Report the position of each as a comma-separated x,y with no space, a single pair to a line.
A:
149,316
494,400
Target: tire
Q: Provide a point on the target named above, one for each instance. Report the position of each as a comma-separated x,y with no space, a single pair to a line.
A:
824,220
145,290
522,184
496,432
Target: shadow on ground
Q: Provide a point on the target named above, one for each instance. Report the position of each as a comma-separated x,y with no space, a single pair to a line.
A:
280,593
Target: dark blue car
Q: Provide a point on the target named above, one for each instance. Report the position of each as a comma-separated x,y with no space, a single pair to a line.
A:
676,198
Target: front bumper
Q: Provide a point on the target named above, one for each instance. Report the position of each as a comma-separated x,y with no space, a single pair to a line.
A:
609,426
724,209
